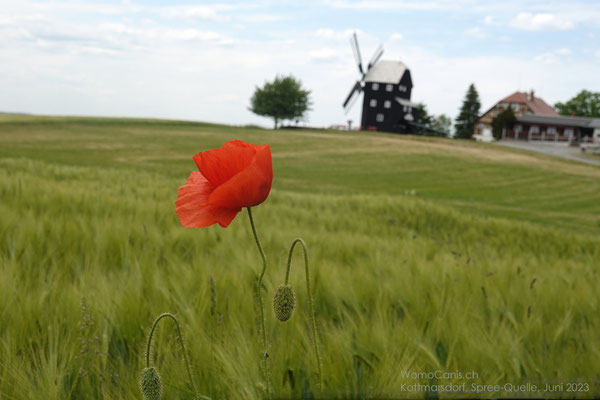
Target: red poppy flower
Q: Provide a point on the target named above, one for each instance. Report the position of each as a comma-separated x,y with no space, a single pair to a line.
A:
234,176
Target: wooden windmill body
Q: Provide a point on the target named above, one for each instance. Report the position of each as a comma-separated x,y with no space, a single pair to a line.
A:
386,87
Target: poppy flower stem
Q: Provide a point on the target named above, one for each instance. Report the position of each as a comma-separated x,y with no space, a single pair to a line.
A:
183,349
310,301
260,301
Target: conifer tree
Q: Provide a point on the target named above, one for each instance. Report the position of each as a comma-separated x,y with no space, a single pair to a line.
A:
469,112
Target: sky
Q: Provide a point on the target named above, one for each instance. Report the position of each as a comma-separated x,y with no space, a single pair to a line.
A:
202,61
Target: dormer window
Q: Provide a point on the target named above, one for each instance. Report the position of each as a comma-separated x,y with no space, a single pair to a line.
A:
389,87
387,104
375,86
402,88
373,103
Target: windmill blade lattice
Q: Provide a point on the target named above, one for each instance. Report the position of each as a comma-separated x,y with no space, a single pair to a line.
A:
356,51
376,56
360,83
352,96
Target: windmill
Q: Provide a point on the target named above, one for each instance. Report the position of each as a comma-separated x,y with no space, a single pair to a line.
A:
358,86
386,88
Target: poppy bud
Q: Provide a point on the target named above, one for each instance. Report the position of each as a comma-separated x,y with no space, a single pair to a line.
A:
150,383
284,302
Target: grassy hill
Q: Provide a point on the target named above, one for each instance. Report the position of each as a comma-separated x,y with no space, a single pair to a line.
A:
427,255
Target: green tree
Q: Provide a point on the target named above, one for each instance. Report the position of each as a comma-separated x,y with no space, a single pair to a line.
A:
429,125
282,99
442,124
585,104
505,120
422,119
469,112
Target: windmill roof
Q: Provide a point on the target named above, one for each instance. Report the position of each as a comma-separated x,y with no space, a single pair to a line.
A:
386,72
535,104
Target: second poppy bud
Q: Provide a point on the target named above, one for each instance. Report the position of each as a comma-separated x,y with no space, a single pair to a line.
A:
284,302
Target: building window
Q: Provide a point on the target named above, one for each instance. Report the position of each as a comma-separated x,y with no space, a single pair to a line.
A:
389,87
402,88
387,104
569,131
379,117
515,106
534,129
375,86
518,128
373,103
551,130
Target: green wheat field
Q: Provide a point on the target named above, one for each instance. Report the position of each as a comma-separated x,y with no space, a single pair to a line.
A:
434,262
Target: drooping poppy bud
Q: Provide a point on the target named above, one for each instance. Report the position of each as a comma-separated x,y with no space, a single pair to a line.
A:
150,384
284,302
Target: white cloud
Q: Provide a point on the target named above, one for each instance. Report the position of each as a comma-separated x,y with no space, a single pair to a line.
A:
396,37
392,5
197,35
324,54
489,20
541,22
204,13
564,52
218,12
476,33
262,17
332,34
553,57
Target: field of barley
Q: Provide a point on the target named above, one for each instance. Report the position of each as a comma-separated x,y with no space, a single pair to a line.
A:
433,262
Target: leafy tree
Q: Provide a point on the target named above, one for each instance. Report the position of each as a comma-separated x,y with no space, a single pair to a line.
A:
506,119
469,112
430,125
421,118
442,123
282,99
585,104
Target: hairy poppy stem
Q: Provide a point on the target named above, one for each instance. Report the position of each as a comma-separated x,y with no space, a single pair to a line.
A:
187,361
260,301
310,302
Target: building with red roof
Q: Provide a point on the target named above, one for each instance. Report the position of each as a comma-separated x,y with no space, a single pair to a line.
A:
521,103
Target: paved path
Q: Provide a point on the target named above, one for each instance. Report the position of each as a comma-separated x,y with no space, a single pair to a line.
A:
558,150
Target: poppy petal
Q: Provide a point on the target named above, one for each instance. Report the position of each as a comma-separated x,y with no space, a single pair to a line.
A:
224,216
220,165
249,187
192,204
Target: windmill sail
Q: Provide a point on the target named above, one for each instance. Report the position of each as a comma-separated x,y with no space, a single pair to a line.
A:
360,83
356,51
353,95
376,56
